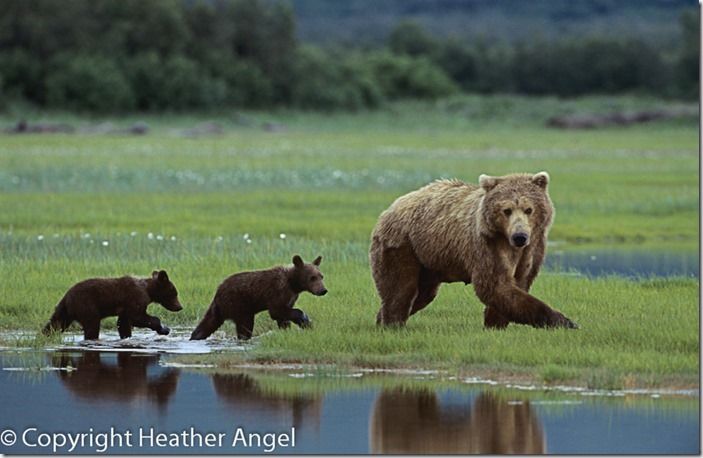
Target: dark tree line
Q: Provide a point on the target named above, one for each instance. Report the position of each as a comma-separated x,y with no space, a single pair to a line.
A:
112,56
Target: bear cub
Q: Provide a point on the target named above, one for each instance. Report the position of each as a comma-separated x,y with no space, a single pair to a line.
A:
89,301
243,295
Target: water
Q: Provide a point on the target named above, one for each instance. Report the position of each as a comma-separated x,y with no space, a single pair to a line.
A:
624,262
128,399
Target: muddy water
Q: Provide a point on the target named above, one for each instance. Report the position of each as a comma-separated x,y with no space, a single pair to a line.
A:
125,402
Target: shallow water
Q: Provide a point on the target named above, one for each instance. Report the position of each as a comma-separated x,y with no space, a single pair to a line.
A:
623,262
142,341
129,398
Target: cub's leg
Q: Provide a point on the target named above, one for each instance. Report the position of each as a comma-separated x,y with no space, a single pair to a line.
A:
283,324
245,326
91,327
151,322
209,324
124,326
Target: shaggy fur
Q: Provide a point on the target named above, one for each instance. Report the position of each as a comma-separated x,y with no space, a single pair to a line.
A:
492,235
91,300
243,295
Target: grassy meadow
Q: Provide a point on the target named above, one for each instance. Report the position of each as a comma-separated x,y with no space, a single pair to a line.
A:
202,207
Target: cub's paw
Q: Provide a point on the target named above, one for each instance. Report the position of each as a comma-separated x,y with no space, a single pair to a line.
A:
305,322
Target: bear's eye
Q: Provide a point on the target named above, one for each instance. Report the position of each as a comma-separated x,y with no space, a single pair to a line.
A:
312,278
528,211
507,212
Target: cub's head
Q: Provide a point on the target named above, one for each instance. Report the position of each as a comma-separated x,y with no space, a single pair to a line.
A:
516,206
163,292
308,276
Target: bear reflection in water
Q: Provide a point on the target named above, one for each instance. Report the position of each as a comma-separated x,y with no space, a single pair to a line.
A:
416,422
243,393
117,377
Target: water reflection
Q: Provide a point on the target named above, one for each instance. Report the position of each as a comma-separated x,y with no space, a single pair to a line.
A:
412,422
243,392
374,414
122,377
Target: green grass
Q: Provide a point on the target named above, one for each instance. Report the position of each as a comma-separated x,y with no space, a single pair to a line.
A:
323,181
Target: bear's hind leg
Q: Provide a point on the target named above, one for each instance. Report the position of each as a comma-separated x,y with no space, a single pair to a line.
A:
91,328
427,290
245,327
124,326
396,272
209,324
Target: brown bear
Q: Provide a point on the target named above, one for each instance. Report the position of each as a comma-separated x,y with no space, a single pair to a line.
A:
493,235
89,301
243,295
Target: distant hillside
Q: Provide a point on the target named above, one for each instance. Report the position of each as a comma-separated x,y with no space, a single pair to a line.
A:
368,22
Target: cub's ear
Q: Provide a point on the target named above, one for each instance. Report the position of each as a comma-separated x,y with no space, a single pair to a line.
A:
298,261
163,276
154,273
541,179
488,182
317,260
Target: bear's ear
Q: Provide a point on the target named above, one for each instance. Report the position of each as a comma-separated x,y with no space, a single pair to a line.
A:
163,276
317,260
541,179
298,261
488,182
154,274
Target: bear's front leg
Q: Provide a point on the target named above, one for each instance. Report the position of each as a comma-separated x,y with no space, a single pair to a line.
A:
300,318
492,318
517,305
124,326
296,316
283,324
151,322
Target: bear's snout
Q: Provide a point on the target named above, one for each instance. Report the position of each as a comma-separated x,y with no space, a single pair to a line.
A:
175,307
520,239
322,292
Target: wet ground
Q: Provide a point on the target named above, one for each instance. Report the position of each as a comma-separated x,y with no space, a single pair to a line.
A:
126,402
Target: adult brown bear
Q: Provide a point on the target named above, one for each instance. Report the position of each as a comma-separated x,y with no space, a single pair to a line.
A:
493,235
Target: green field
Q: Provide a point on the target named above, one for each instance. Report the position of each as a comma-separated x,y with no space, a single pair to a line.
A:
79,205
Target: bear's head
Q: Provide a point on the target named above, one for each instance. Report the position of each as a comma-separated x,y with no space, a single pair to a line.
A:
162,291
307,277
515,206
